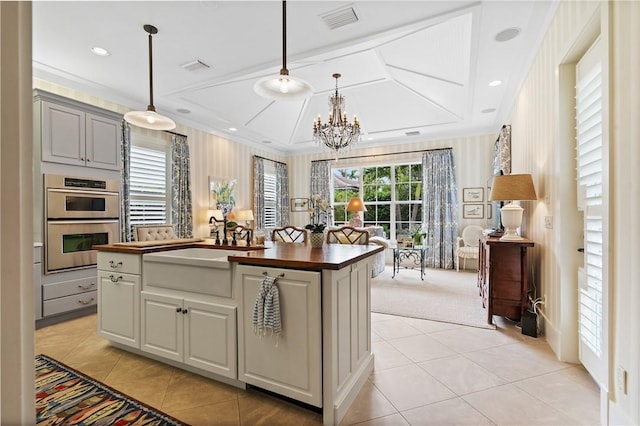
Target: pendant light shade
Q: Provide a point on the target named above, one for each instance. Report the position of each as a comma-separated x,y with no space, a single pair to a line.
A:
283,87
150,119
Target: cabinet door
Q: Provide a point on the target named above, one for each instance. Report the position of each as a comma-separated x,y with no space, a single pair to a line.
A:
118,307
210,337
103,142
161,327
289,364
63,134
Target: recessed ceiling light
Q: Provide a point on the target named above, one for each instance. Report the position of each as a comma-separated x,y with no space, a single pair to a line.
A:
266,142
508,34
183,110
488,110
233,129
100,51
495,83
369,139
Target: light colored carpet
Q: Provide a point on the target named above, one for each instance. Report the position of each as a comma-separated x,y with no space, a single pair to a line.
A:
444,295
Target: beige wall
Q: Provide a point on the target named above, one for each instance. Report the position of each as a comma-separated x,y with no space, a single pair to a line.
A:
543,146
472,155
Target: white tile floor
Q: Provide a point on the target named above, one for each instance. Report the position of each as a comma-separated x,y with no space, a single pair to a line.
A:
431,373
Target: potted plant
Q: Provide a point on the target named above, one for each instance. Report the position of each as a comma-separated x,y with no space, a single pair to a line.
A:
319,212
418,236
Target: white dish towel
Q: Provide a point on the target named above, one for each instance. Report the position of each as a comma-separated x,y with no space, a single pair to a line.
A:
266,310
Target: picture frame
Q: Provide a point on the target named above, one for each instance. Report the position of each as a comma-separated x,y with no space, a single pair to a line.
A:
221,190
300,204
473,195
473,211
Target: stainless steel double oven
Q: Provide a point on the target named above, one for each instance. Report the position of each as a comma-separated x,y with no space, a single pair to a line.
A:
80,212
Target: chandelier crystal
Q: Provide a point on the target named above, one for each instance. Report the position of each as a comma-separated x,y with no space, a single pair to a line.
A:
337,134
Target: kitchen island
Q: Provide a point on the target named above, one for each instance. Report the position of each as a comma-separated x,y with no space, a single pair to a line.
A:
152,301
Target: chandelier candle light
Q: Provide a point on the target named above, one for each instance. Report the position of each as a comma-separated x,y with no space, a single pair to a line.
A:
337,134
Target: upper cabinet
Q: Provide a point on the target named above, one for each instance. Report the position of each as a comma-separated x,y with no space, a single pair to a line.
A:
72,132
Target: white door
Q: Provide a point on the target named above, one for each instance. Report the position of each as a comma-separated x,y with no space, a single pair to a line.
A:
592,179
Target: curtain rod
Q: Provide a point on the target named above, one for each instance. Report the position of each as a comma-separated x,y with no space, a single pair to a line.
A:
177,134
269,159
382,155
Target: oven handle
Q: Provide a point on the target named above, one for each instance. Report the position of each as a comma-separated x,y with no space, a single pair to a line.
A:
81,191
76,222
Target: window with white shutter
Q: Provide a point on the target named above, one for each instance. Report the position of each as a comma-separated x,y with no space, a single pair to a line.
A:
148,187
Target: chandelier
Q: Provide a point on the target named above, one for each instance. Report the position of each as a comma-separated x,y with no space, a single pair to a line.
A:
337,134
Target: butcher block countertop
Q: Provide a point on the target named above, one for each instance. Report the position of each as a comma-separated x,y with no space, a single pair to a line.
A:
279,255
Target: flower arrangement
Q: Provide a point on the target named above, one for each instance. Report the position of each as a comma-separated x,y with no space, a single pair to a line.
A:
418,234
320,211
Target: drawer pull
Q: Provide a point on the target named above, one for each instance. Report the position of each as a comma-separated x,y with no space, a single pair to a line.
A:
185,311
86,287
178,310
85,302
115,279
115,265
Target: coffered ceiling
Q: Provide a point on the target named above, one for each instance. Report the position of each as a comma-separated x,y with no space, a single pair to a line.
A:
411,70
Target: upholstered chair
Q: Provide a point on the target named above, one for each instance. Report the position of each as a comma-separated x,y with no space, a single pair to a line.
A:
154,232
467,245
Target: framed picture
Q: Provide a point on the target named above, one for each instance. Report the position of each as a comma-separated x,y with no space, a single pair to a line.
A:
472,195
473,211
299,204
221,191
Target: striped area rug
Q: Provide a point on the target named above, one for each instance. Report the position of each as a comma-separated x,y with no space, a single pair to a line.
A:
65,396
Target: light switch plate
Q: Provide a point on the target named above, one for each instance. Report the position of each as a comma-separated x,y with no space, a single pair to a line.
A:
548,222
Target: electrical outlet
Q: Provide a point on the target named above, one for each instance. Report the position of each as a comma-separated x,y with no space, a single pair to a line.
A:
548,222
621,379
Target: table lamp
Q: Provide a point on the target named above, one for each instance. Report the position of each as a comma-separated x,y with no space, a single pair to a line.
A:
246,215
356,206
512,188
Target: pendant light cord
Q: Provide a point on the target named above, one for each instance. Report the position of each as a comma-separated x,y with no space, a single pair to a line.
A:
150,107
284,70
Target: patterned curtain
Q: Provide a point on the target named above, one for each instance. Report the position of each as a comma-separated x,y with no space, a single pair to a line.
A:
502,152
181,211
282,191
126,231
320,179
258,191
440,207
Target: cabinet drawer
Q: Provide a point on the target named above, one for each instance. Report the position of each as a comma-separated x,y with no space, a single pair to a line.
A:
68,288
506,308
119,262
509,290
68,303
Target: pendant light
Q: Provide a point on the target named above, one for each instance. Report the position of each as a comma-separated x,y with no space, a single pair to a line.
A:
283,87
150,119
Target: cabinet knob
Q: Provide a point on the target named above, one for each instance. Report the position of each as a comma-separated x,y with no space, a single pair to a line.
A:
88,160
178,310
81,158
185,311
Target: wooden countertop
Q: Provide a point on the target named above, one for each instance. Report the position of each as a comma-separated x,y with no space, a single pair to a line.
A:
134,248
302,256
279,255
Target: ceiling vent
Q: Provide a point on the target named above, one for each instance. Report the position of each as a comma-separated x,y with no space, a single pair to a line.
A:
414,133
340,18
194,65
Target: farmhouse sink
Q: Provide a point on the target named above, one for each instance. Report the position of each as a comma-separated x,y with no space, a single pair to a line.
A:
197,270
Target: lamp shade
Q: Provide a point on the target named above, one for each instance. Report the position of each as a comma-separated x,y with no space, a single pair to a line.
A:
512,187
244,215
356,205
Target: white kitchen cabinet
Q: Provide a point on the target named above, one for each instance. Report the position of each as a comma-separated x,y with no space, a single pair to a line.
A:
71,132
197,333
289,364
119,285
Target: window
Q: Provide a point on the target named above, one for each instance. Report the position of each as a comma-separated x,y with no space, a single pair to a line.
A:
270,194
149,195
392,195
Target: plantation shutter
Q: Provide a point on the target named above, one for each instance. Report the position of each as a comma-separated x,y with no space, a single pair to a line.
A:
270,195
148,186
590,152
